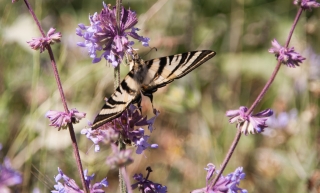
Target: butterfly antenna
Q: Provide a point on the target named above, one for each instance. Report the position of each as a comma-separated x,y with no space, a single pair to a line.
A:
151,48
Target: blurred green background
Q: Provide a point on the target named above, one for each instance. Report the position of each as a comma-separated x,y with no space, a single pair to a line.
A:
192,129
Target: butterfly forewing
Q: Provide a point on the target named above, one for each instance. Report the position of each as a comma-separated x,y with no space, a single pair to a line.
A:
147,77
164,70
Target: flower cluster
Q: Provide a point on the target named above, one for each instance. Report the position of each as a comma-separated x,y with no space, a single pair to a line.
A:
146,185
119,158
8,176
70,185
125,125
42,42
226,184
307,4
249,123
104,34
287,56
61,119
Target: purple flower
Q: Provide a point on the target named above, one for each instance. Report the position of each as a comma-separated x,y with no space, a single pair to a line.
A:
146,185
61,119
42,42
128,125
70,185
104,34
228,184
107,136
58,119
143,144
119,158
282,120
8,176
287,56
76,116
249,123
307,4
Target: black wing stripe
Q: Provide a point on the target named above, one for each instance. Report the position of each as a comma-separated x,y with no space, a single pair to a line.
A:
149,63
162,64
119,90
130,74
190,56
106,106
203,57
101,119
175,69
114,102
183,58
170,59
126,88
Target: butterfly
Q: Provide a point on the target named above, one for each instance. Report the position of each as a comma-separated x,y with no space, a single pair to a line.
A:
146,77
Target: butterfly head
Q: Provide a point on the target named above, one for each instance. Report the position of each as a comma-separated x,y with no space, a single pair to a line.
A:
136,62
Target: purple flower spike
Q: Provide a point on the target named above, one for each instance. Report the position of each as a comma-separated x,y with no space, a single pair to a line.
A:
228,184
307,4
70,185
104,34
42,42
146,185
287,56
249,123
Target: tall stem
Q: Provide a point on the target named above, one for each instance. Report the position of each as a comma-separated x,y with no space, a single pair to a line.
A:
122,146
227,158
277,68
255,103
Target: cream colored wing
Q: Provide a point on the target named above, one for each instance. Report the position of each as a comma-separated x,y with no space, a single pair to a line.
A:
125,94
164,70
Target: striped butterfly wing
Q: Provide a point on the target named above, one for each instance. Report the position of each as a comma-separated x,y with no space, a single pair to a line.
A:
164,70
125,94
147,77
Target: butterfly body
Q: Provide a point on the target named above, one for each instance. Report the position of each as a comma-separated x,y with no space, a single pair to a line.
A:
146,77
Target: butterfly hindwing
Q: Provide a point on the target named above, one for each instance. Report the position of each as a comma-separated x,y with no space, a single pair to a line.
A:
125,94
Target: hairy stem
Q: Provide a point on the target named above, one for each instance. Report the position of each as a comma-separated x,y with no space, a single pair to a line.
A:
63,99
227,158
277,68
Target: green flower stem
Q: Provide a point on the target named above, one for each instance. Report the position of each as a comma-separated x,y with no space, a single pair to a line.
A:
122,146
117,69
